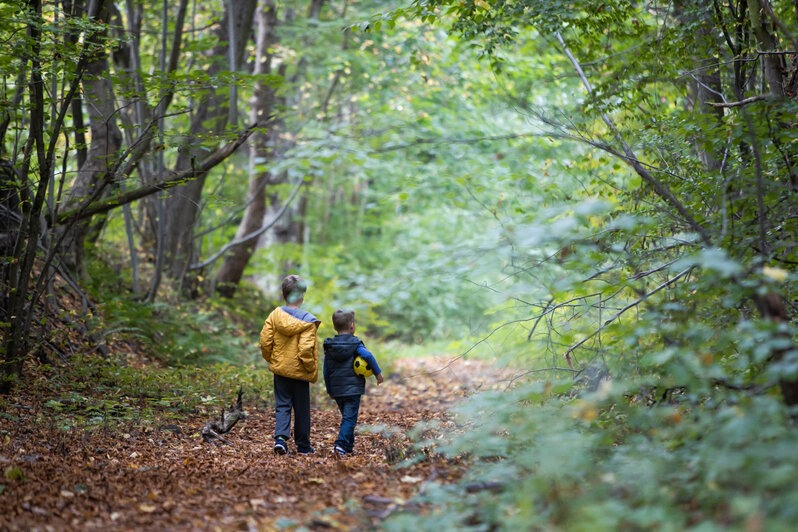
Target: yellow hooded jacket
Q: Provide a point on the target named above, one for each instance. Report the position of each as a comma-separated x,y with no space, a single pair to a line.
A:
288,343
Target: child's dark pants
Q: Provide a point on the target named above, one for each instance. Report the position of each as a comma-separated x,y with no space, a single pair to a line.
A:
350,407
294,393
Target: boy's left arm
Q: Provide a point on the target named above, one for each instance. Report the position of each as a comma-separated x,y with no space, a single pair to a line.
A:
326,374
366,355
267,340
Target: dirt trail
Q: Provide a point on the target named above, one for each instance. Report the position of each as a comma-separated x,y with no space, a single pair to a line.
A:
168,479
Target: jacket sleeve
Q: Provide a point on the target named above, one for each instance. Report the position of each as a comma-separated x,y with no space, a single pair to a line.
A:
326,373
308,352
366,355
267,340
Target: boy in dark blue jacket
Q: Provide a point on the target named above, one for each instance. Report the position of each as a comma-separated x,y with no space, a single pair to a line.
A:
342,383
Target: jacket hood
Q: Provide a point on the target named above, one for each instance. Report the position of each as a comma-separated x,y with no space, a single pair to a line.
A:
291,321
341,347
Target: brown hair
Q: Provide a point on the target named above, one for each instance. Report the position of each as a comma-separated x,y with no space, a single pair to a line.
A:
342,318
294,288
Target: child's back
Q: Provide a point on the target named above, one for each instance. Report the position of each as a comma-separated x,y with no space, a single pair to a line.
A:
342,383
288,343
339,373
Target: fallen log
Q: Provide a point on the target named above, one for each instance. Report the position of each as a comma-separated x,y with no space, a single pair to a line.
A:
213,430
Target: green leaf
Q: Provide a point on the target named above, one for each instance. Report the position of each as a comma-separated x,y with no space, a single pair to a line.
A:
14,473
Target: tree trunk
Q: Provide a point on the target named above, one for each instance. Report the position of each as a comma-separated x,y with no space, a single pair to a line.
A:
106,140
709,90
138,116
75,9
20,299
209,120
772,308
315,9
292,229
261,106
773,71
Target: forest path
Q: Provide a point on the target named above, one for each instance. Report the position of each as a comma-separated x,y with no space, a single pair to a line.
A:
168,479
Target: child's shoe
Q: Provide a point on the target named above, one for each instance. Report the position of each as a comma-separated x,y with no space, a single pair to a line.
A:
309,450
280,447
340,451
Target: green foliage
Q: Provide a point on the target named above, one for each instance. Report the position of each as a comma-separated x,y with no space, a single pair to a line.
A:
395,228
603,462
183,333
95,393
604,272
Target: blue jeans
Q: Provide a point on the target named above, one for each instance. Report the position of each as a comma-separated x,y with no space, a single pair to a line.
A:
349,407
292,394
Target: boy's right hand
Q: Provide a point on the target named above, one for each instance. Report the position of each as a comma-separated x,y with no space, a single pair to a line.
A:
379,379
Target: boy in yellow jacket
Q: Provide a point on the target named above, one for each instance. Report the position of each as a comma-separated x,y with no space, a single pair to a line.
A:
288,343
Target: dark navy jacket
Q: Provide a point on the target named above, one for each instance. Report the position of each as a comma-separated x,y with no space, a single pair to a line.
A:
339,372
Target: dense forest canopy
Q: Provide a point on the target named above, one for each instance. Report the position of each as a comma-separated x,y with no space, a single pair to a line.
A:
600,195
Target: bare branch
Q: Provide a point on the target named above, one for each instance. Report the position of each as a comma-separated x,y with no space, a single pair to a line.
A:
746,101
624,309
178,179
452,140
661,190
510,381
535,326
737,60
251,236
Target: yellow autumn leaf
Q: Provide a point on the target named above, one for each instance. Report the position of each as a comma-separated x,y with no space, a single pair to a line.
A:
777,274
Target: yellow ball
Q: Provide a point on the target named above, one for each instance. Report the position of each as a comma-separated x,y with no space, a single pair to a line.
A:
362,368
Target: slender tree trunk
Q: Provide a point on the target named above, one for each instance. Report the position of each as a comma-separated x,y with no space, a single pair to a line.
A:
75,10
705,85
159,199
260,151
772,308
209,121
106,140
772,63
315,9
140,117
709,90
15,333
293,228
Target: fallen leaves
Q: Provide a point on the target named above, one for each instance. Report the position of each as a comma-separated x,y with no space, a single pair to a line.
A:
147,478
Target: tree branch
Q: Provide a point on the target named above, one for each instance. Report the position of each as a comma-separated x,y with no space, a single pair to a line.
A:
661,190
531,371
624,309
207,164
452,140
251,236
746,101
